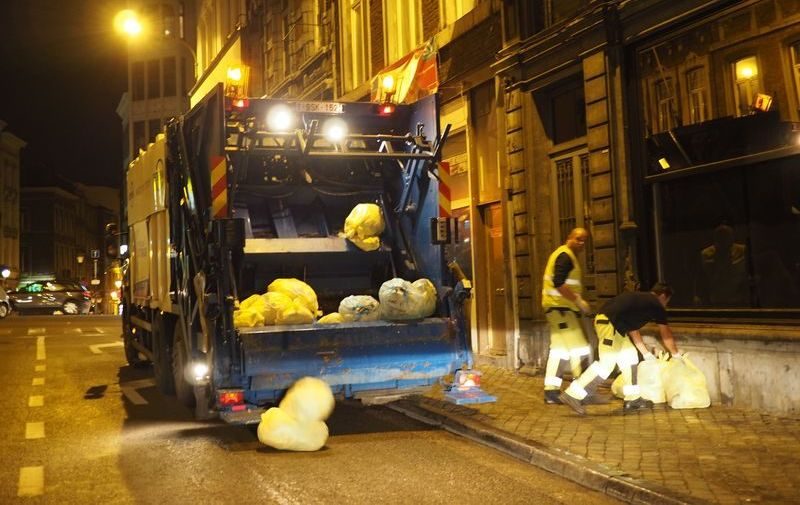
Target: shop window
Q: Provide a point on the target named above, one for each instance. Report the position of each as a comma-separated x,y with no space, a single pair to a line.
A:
153,79
170,76
401,27
665,104
730,240
355,57
572,203
137,81
483,118
568,109
747,86
697,89
453,10
454,153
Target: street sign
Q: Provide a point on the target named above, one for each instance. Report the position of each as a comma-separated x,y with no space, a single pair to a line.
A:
94,254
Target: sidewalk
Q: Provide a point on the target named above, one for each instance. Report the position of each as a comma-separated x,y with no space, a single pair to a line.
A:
717,455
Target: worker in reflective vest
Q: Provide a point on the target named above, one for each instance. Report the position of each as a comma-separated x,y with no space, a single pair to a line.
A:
562,304
618,336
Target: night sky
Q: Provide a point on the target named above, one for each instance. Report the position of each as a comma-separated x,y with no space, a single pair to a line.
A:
62,74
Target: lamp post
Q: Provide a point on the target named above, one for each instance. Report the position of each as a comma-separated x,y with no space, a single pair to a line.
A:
80,257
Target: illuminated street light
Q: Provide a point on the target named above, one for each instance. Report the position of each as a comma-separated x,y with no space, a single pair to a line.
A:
5,272
127,22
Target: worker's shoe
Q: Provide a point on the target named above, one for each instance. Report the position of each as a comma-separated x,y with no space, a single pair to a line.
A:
573,403
637,404
551,397
597,399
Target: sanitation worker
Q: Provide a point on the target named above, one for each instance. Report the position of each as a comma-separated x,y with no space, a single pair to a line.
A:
563,304
617,325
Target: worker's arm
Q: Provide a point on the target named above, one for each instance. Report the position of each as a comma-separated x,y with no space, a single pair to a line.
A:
563,267
636,338
667,339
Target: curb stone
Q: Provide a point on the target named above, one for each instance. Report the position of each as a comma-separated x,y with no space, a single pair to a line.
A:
580,470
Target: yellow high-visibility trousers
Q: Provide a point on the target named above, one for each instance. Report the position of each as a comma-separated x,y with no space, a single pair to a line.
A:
568,346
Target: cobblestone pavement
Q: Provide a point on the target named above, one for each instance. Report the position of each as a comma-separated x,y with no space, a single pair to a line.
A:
719,455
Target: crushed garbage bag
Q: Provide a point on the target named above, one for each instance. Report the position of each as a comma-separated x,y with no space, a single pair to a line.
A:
280,430
298,291
332,318
364,225
685,385
286,309
247,318
401,299
309,399
359,308
298,423
649,379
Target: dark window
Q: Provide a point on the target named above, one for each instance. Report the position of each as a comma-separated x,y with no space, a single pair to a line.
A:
731,239
569,111
139,137
153,129
565,9
137,80
153,79
170,76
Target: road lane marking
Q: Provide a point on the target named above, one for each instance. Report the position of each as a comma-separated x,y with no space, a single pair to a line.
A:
40,368
129,390
34,430
31,481
38,381
96,348
37,331
40,354
73,330
98,330
36,401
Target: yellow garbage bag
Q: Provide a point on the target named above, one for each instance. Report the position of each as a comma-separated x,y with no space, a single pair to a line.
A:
649,379
364,225
247,319
401,299
685,385
360,308
257,303
297,290
309,399
332,318
294,313
280,430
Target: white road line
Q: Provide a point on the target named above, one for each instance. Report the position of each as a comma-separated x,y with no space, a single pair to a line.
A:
40,368
73,330
31,481
34,430
133,396
96,348
98,330
37,331
40,354
38,381
36,401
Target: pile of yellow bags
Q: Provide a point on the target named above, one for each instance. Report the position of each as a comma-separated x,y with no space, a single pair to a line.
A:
298,422
287,301
364,225
401,299
677,382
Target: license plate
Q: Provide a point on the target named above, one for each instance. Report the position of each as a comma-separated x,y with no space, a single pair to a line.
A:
324,107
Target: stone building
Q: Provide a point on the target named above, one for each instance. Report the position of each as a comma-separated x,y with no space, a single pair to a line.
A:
10,146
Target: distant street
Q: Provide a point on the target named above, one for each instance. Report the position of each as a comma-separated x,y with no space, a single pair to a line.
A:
81,427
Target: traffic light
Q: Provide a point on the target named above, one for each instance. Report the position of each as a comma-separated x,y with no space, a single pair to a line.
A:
111,241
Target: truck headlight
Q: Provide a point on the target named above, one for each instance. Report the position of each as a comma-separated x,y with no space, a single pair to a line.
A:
280,118
334,130
200,371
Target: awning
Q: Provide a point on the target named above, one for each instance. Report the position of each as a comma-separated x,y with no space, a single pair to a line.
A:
416,75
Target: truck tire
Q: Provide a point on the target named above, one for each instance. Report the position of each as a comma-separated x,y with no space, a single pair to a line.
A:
162,354
131,353
184,391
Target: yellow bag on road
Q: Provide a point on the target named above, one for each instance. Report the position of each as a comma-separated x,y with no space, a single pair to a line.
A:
685,385
649,379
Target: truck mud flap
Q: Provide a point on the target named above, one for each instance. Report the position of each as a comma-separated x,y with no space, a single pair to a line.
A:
351,357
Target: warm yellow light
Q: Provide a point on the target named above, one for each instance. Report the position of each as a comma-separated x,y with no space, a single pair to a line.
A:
235,74
127,22
388,83
118,283
746,68
664,163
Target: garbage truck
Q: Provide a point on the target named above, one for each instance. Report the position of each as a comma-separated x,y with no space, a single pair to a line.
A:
239,192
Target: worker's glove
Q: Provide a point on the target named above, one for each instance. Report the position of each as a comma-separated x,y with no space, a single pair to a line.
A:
583,305
649,356
678,355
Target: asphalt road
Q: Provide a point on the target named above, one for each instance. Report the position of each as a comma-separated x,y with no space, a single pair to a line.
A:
81,427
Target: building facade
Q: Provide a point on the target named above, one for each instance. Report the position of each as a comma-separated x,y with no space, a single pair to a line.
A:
10,146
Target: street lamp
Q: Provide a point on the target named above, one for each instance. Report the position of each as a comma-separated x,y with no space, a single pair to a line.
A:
128,23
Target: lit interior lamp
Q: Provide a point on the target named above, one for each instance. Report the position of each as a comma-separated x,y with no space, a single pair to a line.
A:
118,283
79,258
5,272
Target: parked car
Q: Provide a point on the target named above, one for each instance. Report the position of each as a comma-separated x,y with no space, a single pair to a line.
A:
5,305
67,297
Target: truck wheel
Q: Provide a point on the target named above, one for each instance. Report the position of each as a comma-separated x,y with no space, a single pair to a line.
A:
184,391
131,353
162,355
4,310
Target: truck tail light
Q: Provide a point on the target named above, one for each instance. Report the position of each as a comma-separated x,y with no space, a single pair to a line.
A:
230,398
386,109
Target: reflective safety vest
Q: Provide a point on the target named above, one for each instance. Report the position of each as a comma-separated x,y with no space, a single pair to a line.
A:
550,295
